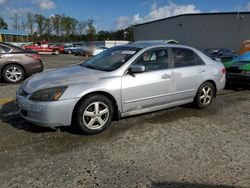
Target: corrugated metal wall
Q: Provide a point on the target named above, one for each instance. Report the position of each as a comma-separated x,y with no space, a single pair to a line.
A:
201,30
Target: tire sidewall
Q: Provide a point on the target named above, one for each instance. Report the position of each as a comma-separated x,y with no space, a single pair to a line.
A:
84,104
197,98
6,78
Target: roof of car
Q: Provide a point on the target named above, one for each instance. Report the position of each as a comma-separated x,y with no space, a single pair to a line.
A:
152,44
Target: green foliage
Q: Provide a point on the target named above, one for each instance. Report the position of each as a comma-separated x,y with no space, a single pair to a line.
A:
61,28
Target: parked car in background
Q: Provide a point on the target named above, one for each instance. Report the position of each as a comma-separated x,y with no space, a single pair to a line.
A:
58,45
119,82
43,47
83,51
99,49
70,48
17,63
238,70
221,54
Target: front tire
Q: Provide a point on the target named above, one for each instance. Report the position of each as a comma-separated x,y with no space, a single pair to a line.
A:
13,73
94,114
205,95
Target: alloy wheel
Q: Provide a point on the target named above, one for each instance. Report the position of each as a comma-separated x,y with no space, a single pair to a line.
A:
96,115
14,74
206,95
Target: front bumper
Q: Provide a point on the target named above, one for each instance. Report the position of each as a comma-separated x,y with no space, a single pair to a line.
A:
47,114
238,78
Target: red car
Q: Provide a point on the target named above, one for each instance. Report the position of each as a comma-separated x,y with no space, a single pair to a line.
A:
43,47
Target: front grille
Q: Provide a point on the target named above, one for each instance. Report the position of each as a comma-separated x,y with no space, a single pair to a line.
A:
234,70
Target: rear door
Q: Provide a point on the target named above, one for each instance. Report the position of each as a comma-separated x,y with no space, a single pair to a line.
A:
3,57
152,87
188,72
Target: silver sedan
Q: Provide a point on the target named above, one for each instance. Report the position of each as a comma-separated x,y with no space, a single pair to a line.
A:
119,82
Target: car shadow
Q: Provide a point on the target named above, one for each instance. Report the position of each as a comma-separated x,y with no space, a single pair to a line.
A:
9,114
186,185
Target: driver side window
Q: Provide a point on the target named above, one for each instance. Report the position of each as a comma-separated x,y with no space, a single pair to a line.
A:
154,60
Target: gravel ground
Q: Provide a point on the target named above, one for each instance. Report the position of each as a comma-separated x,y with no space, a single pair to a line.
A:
178,147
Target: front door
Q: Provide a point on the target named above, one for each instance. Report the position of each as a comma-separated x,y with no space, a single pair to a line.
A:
152,87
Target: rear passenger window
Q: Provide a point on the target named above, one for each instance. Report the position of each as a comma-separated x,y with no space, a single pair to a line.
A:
4,49
154,59
185,57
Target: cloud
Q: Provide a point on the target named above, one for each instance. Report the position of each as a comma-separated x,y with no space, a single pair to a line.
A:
122,22
2,2
46,4
248,6
156,13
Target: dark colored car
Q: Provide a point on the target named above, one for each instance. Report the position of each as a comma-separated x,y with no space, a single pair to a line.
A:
238,70
83,51
220,53
16,63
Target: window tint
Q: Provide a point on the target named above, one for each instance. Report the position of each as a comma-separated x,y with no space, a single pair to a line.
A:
4,49
154,60
185,57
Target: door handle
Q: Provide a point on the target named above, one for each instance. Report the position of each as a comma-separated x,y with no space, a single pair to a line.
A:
201,70
166,76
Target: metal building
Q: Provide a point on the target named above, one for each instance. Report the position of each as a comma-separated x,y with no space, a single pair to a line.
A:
204,30
13,36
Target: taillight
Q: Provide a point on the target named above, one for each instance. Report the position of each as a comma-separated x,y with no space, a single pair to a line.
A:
223,70
34,56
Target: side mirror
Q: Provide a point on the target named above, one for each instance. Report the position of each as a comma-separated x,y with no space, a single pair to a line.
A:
137,68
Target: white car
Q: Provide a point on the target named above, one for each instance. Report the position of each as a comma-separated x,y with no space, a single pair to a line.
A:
99,50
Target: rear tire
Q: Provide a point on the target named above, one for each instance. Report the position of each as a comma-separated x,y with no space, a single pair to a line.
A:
205,95
94,114
13,73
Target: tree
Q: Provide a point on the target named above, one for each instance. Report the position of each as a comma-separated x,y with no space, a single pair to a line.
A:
81,25
30,22
68,26
16,24
3,24
48,27
56,24
91,31
23,26
40,20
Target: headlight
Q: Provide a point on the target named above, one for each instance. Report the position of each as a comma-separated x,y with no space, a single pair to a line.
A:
51,94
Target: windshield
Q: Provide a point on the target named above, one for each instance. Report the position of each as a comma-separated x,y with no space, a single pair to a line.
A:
111,59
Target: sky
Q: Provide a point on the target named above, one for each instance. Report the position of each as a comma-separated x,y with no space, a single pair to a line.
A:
116,14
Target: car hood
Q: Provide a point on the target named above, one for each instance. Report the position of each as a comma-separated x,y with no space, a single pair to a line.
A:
62,77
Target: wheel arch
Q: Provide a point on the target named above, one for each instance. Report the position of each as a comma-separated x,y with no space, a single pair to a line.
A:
212,82
117,114
12,63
